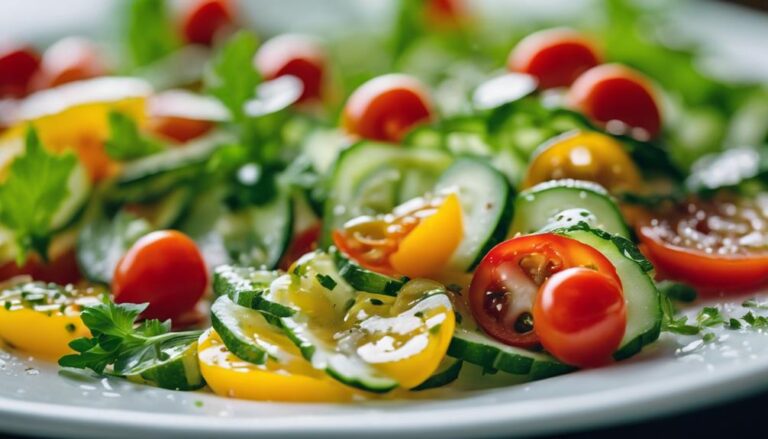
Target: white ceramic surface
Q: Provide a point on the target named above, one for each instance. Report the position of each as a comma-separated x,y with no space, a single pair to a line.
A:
675,374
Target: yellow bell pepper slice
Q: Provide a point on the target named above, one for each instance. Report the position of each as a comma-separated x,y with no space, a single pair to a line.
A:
41,320
426,250
290,379
589,156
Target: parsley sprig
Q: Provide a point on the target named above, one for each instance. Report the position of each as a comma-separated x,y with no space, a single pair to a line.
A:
125,142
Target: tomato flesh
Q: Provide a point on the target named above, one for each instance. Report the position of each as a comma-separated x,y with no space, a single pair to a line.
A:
70,59
61,269
297,55
620,98
18,64
164,269
580,316
386,108
508,280
715,245
555,57
205,19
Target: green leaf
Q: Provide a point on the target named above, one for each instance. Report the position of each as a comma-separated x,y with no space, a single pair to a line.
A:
34,190
112,319
231,77
125,142
150,33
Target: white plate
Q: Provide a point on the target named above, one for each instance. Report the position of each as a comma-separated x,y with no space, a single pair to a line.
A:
675,374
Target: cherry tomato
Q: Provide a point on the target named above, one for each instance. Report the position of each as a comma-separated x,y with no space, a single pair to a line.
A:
556,57
181,116
165,269
206,18
18,64
508,279
445,14
62,269
622,99
178,129
302,244
297,55
580,316
386,108
589,156
716,245
70,59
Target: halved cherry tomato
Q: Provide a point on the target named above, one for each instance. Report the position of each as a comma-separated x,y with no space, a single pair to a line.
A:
509,278
580,316
164,269
416,240
18,65
70,59
589,156
716,245
297,55
445,14
386,108
180,116
178,129
204,19
622,99
555,57
303,243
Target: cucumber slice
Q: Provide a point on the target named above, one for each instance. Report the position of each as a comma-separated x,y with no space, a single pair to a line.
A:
246,287
322,146
417,171
486,202
180,371
238,327
448,373
552,203
79,187
477,348
643,300
167,211
365,280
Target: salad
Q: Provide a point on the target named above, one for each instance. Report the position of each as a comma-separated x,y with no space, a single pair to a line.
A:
445,206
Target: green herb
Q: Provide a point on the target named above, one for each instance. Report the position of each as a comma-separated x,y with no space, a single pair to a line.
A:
753,303
231,77
118,343
326,281
70,327
755,321
125,142
708,337
733,324
435,329
35,189
677,291
671,322
419,314
709,316
150,33
198,404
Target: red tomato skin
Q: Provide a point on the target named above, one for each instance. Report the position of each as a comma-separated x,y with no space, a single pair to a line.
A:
446,14
303,243
178,129
566,251
710,274
613,92
580,316
165,269
61,270
386,108
555,57
18,64
204,19
68,60
297,55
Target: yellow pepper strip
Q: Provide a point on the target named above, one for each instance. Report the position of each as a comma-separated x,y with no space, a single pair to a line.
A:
294,381
589,156
426,250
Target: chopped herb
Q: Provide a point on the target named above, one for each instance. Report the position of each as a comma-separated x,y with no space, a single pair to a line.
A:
435,329
125,141
753,303
710,316
326,281
755,321
70,327
733,324
376,302
198,404
419,314
708,337
677,291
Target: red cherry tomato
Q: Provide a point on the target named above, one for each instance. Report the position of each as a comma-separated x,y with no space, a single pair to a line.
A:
18,64
297,55
204,19
178,129
508,279
386,108
716,245
555,57
580,316
302,244
164,269
445,14
614,93
61,269
70,59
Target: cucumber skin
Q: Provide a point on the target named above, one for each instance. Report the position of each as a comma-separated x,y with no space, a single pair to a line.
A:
232,282
502,228
440,379
362,279
242,349
174,375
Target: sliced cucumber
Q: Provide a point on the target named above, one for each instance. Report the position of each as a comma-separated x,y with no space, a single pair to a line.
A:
180,370
79,189
365,280
167,211
475,347
322,146
643,301
446,374
486,202
553,202
246,286
238,328
351,192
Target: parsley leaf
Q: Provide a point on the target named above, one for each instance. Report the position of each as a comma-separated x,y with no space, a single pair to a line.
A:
150,33
326,281
231,77
121,347
677,291
755,321
33,192
125,142
710,316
